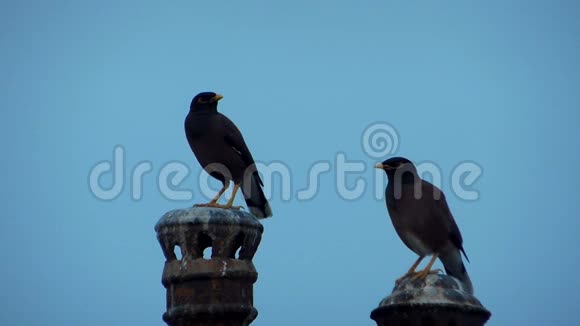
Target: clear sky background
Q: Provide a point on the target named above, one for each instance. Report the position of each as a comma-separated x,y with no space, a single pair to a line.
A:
496,83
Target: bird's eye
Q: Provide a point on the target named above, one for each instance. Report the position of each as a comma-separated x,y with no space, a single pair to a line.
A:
201,101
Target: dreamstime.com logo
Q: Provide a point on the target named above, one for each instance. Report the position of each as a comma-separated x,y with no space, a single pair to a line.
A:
379,141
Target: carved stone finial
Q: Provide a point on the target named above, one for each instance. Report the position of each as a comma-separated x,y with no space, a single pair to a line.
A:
439,300
216,290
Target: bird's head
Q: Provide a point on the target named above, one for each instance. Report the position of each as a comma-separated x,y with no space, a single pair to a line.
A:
205,101
399,166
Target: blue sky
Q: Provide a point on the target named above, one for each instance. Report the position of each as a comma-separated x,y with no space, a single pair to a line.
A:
494,83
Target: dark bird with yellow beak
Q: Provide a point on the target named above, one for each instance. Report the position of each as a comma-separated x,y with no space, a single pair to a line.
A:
221,150
423,220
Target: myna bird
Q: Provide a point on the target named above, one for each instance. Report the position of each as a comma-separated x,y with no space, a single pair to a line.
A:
221,150
423,221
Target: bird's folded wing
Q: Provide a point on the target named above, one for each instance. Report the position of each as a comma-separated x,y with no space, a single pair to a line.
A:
234,138
441,209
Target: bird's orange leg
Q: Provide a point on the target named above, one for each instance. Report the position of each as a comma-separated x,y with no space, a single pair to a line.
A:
231,201
411,270
213,202
422,274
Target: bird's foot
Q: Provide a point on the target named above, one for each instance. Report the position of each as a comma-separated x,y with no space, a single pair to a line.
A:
211,204
216,205
400,279
424,273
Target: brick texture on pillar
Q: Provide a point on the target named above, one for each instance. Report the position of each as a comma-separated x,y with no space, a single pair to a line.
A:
439,300
214,290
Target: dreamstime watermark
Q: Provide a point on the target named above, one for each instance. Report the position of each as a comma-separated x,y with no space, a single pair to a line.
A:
349,178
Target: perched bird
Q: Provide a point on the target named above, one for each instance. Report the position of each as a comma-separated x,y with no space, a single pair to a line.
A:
221,150
423,221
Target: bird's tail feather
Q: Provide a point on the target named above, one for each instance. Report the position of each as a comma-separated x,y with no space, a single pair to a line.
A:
255,198
454,266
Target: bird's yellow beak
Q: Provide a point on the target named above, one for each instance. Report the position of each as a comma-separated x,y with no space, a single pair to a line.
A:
383,167
217,97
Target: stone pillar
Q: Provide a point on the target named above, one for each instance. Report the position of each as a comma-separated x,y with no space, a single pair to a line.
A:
439,300
216,290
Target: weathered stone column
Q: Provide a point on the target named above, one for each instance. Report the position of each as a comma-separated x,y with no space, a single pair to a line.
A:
216,290
440,300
